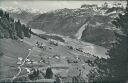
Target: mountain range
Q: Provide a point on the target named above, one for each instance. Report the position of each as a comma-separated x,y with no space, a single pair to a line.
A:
89,23
95,21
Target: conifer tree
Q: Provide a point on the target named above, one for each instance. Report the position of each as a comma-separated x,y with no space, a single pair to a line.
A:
1,13
49,73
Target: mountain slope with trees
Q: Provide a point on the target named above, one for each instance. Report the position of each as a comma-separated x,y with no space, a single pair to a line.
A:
115,68
12,29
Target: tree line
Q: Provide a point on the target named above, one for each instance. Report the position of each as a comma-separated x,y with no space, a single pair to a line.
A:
9,28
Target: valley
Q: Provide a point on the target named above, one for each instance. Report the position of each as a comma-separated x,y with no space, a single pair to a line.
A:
64,40
88,24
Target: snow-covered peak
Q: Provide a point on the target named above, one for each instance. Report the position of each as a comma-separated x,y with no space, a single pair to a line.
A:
20,10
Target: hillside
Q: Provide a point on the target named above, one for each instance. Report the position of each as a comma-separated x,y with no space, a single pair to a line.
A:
64,60
68,22
10,45
11,50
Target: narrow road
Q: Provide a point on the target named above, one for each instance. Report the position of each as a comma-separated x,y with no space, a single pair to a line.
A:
20,66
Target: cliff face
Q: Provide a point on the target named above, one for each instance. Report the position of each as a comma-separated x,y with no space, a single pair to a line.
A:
94,23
